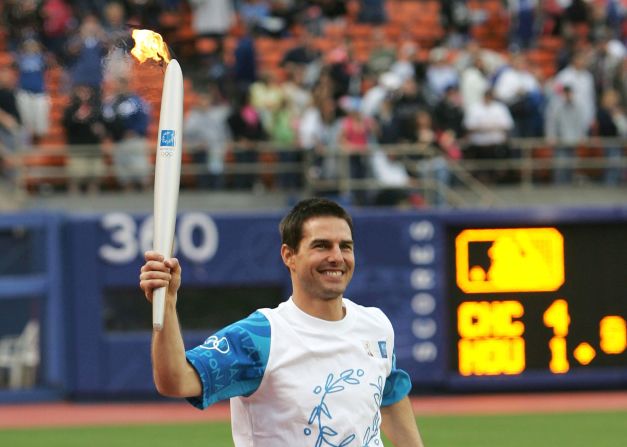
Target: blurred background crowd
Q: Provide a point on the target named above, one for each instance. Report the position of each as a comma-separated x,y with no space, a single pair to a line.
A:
375,97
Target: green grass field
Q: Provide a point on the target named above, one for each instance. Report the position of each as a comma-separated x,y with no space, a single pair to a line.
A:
598,429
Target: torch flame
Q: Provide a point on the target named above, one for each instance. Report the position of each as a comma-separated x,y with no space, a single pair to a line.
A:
149,45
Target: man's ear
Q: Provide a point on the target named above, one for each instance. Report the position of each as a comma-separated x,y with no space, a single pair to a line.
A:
287,254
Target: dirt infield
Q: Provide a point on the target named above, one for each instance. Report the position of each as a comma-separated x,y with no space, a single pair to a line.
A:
71,414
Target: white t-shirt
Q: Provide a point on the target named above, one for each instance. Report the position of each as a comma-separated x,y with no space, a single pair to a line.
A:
317,383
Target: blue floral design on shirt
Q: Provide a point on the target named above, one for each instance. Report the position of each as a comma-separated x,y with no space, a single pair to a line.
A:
320,411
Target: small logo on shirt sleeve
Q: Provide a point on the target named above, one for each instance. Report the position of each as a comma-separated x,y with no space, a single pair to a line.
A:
214,343
377,349
383,349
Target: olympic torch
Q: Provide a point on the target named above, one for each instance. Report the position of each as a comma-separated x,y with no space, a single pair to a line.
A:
168,156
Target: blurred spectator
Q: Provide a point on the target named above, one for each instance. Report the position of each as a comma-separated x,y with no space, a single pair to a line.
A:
523,26
372,12
566,126
119,41
607,55
85,52
356,134
488,123
407,102
296,92
388,126
492,62
448,113
282,131
406,65
126,117
440,75
33,100
84,130
576,19
395,183
10,123
430,162
521,91
612,123
387,85
245,68
382,54
619,82
332,10
318,133
280,19
579,78
58,22
448,121
345,70
303,56
144,12
266,95
212,19
23,20
253,13
456,21
247,133
83,8
552,13
208,136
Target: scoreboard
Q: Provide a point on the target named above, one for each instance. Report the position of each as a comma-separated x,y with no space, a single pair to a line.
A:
537,305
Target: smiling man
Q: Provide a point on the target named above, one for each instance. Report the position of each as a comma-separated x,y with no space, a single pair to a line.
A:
318,369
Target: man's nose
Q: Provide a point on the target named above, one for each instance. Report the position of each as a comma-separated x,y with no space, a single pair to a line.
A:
335,254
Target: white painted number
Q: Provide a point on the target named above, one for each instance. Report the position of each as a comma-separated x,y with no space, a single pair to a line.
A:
196,235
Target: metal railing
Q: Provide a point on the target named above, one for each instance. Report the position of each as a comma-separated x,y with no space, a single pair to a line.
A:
33,170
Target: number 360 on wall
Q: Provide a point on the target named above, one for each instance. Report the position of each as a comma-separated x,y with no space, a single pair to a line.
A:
196,237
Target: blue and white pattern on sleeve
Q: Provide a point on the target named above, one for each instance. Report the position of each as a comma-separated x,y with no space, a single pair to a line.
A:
397,385
232,362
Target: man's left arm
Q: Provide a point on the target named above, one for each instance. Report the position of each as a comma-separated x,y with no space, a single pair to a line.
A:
399,424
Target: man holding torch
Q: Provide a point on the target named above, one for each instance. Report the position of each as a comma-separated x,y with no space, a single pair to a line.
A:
318,369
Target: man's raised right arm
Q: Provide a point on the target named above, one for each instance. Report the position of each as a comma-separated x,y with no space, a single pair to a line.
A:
173,375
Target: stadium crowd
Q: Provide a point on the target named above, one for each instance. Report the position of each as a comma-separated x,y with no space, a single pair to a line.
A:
454,99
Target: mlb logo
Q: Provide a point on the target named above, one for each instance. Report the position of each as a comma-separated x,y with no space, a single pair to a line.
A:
167,138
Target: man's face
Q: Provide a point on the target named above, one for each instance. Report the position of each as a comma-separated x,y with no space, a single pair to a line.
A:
323,265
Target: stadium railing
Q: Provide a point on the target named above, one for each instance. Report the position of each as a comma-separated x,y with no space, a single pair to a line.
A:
449,182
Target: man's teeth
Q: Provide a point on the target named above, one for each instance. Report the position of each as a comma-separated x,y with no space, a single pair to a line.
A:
333,273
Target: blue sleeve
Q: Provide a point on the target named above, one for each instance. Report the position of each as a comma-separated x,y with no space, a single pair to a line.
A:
232,362
397,385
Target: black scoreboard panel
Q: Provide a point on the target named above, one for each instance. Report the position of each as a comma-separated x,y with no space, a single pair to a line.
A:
537,305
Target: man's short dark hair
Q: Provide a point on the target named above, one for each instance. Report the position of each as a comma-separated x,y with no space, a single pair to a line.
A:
291,227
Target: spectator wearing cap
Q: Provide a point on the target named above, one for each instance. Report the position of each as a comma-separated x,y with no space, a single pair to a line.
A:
577,76
566,126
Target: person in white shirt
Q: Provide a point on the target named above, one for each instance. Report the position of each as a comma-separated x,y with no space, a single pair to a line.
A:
318,369
579,78
519,89
488,124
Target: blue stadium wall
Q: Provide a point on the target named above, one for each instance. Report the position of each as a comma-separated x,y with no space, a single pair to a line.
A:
62,268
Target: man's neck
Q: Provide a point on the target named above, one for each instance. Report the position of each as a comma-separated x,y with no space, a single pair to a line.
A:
329,310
